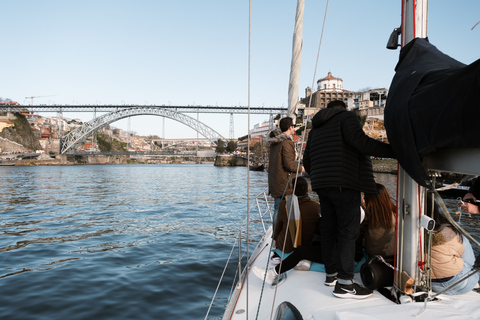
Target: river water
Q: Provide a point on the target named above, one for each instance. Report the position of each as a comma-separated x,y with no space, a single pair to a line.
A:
123,241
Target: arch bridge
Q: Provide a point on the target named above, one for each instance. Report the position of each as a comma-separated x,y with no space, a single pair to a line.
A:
76,137
72,140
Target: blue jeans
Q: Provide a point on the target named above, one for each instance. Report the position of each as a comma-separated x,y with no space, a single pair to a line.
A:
466,285
276,207
339,230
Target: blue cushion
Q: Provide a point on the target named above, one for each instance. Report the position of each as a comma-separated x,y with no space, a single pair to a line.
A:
320,267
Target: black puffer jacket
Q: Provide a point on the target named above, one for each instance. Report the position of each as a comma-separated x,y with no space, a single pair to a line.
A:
337,152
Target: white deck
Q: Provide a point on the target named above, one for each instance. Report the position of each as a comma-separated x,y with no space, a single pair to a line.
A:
307,292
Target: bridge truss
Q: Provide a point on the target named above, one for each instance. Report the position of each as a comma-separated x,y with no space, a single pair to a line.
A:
74,138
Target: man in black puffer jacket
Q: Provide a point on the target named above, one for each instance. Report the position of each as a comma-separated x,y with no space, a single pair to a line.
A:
337,160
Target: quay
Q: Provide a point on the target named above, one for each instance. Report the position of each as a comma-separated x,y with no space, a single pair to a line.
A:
379,166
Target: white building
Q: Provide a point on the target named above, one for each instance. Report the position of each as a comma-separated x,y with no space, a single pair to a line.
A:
260,130
330,84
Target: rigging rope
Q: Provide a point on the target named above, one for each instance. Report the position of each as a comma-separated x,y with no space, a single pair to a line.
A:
305,121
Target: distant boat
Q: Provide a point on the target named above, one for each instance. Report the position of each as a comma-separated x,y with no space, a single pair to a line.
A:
260,167
6,164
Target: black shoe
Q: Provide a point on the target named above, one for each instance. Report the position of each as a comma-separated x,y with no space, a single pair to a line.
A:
351,291
330,281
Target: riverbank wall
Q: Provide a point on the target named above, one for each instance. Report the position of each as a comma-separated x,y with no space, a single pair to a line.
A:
70,160
379,166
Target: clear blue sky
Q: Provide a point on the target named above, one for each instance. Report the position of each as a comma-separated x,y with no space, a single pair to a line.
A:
196,52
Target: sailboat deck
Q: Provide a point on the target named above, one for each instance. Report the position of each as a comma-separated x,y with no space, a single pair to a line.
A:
307,292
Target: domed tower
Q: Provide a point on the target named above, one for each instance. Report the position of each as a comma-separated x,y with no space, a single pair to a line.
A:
330,84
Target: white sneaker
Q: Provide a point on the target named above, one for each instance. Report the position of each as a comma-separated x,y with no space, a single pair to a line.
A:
275,259
270,277
303,265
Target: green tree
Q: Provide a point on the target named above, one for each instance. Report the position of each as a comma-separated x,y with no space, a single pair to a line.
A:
220,146
257,150
231,146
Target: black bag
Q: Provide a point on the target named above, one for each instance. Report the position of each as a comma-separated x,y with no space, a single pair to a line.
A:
375,274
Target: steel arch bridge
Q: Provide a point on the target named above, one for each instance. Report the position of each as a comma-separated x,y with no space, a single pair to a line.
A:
74,138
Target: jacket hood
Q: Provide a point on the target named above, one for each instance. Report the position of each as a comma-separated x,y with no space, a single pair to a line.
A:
278,139
324,115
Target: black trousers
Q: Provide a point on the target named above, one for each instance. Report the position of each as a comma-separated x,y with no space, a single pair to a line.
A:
310,252
339,229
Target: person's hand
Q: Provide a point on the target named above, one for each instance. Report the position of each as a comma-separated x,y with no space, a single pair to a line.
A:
469,207
303,169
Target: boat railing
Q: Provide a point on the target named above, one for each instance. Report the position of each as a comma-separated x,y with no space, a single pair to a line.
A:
263,206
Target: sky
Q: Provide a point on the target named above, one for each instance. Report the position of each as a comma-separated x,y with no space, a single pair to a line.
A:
192,52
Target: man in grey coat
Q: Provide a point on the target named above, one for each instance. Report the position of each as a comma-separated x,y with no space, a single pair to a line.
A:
337,160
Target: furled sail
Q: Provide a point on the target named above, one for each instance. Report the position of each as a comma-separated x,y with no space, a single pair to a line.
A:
296,61
433,103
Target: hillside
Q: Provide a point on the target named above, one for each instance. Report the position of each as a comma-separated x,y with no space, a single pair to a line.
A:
21,133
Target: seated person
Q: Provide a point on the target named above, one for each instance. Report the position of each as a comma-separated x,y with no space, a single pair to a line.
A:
473,194
378,228
309,212
452,257
311,252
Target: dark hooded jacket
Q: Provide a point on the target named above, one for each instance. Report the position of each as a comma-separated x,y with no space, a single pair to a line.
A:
281,165
337,152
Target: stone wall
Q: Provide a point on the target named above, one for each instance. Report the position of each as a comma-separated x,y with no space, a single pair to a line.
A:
9,146
229,161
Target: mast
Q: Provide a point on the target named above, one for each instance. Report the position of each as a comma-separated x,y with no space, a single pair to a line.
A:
410,195
296,61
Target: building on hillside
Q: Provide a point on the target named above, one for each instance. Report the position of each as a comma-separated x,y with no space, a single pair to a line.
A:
5,124
242,144
260,130
371,102
328,89
366,103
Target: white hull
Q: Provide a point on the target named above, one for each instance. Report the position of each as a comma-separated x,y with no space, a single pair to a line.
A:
307,292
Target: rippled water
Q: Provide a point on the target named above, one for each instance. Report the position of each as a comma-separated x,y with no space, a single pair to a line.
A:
118,242
122,242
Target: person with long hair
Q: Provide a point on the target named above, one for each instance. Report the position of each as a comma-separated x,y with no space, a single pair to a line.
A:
380,219
452,258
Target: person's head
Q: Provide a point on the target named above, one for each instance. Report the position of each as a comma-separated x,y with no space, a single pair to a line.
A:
286,123
380,208
337,104
301,188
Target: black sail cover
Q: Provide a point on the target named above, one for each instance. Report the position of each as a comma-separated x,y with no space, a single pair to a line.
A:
433,103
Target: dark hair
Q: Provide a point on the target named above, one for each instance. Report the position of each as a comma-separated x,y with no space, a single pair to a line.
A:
301,188
336,104
380,207
286,123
